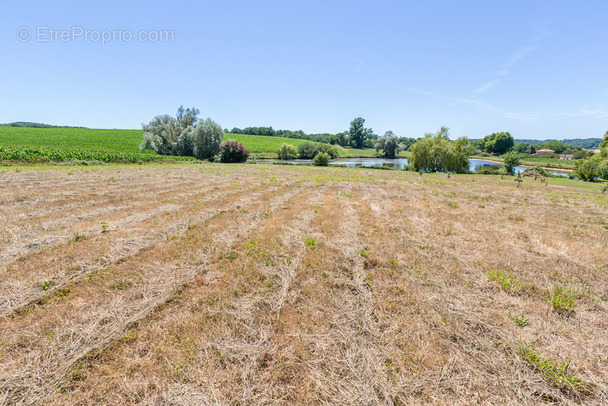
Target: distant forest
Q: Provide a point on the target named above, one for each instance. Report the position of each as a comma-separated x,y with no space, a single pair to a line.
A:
587,143
35,125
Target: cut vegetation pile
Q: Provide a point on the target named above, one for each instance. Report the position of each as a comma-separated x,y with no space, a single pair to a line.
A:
260,284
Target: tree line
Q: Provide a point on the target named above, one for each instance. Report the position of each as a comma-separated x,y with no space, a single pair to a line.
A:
186,135
357,136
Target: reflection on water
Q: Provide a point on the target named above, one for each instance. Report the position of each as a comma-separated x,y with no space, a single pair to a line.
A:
475,164
397,163
400,163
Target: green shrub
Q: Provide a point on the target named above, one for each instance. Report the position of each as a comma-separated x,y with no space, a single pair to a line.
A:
233,152
287,151
321,159
510,161
328,149
488,170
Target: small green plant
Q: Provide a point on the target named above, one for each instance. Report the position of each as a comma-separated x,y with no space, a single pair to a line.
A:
77,237
62,292
251,245
46,284
557,372
518,179
104,227
112,179
505,279
521,321
310,243
123,285
364,252
451,204
562,299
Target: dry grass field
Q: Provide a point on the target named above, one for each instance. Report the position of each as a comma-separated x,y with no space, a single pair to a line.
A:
257,284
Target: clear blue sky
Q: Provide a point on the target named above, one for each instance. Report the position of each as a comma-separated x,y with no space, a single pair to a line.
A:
538,69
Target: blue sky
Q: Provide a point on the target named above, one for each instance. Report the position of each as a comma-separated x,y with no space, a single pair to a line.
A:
538,69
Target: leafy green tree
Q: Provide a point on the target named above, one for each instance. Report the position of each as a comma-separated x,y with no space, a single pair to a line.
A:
497,143
161,134
406,143
206,138
342,139
522,147
174,135
594,167
511,160
287,151
187,117
388,144
338,139
358,134
557,146
604,142
307,150
436,153
328,149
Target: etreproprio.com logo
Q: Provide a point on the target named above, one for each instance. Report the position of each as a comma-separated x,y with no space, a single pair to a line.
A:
76,33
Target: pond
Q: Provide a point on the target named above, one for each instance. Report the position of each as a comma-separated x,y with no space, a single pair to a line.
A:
400,163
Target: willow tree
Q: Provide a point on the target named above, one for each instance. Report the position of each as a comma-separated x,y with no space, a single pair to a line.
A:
437,153
183,135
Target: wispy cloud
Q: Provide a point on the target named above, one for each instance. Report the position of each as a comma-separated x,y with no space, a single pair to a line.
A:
358,61
594,113
583,112
519,115
487,86
507,67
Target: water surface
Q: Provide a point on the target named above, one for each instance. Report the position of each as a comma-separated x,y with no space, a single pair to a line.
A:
400,163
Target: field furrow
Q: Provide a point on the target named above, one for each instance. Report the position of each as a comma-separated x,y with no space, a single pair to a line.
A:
144,281
260,284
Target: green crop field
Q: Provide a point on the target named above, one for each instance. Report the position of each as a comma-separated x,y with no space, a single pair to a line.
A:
120,141
69,141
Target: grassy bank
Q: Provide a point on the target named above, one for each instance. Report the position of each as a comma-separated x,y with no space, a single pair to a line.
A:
549,163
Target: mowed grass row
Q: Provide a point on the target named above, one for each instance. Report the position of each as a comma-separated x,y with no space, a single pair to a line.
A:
60,144
235,284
